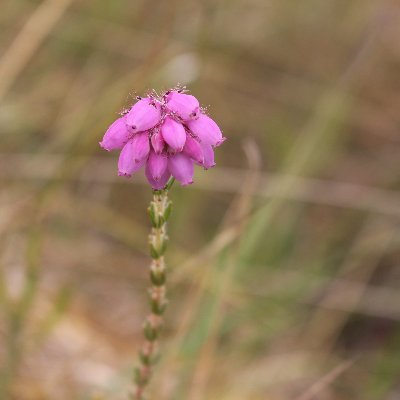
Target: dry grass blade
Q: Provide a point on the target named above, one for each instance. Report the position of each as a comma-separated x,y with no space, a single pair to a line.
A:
29,39
323,328
227,180
240,207
325,381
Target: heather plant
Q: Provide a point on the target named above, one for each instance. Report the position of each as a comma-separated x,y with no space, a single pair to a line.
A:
166,135
282,264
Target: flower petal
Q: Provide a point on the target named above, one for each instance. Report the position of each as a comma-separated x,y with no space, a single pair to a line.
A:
208,153
144,115
173,133
157,142
116,135
184,105
127,165
140,146
160,183
181,168
206,130
157,165
193,149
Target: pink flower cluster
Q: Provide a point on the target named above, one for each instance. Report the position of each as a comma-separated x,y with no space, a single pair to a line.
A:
166,135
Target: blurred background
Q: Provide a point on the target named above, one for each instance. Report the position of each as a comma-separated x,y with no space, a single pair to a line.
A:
284,276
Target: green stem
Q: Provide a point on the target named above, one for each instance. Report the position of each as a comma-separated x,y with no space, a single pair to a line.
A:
159,211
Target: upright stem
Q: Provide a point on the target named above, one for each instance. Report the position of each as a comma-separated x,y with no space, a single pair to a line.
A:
159,211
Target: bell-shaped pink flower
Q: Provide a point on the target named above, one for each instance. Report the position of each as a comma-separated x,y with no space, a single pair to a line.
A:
157,164
185,106
181,167
116,136
193,149
167,134
160,183
173,133
144,115
128,162
206,130
208,153
157,142
140,146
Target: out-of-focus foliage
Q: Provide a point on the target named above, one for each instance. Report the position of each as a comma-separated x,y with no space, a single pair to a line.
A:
284,276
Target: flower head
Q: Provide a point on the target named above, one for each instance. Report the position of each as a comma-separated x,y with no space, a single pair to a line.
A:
167,134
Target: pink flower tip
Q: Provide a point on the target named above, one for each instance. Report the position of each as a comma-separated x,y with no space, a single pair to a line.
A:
220,141
124,174
209,166
104,146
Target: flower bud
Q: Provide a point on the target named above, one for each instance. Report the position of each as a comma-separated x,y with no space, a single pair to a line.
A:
116,136
181,168
133,155
185,106
157,165
173,133
157,142
161,182
141,146
206,130
144,115
193,149
208,153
